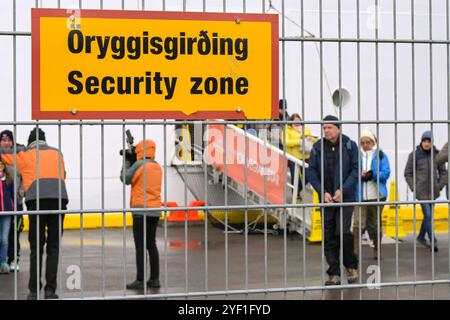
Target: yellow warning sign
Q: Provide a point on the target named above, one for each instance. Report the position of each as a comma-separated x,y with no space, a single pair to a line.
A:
128,64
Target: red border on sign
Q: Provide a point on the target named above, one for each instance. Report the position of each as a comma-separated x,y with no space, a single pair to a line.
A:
37,13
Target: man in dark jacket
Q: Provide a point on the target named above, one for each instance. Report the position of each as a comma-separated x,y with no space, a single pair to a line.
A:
426,187
335,190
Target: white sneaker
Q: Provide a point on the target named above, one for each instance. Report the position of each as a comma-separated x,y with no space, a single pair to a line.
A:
14,267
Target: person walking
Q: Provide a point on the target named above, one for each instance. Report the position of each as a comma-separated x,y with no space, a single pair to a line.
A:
375,173
430,178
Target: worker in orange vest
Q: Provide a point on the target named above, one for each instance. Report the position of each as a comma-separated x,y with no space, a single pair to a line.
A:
45,189
145,177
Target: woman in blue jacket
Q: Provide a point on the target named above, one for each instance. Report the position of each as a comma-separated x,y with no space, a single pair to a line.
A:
372,188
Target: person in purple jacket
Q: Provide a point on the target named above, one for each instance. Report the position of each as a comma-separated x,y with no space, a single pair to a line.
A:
6,204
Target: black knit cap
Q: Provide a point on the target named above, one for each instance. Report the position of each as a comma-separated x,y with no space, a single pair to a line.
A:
332,118
7,133
32,136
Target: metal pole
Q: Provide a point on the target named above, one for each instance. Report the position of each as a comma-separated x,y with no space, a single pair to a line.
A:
283,132
322,210
15,150
81,210
341,209
413,71
124,221
377,108
358,67
432,166
102,165
396,149
447,20
102,160
302,62
144,217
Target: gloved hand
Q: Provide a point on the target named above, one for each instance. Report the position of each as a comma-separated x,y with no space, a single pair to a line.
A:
368,176
130,156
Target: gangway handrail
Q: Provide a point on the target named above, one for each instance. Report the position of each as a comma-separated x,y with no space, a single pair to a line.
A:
256,139
288,156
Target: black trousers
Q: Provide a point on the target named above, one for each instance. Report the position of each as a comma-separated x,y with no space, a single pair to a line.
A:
332,239
12,255
49,223
138,234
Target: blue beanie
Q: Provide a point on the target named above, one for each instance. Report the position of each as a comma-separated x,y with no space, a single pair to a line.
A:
427,135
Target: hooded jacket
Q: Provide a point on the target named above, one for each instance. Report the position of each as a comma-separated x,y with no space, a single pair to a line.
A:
423,174
145,171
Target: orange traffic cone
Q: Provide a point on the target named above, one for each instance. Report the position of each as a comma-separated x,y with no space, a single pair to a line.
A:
193,214
179,216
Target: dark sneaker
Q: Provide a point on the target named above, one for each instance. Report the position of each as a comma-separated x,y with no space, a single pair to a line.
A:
423,242
333,281
435,242
32,296
136,285
50,294
153,283
352,275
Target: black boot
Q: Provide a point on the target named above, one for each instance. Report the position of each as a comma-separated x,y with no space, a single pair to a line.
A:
153,283
136,285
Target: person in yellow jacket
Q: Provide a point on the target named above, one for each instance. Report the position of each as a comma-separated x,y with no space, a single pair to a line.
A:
145,177
299,142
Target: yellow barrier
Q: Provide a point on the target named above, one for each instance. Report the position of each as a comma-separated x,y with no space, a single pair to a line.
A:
237,216
392,217
316,221
406,217
94,220
390,220
90,221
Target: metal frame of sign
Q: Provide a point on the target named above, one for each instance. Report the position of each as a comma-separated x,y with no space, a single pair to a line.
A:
37,114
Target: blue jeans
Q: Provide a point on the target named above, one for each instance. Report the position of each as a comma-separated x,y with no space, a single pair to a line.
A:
5,223
427,210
